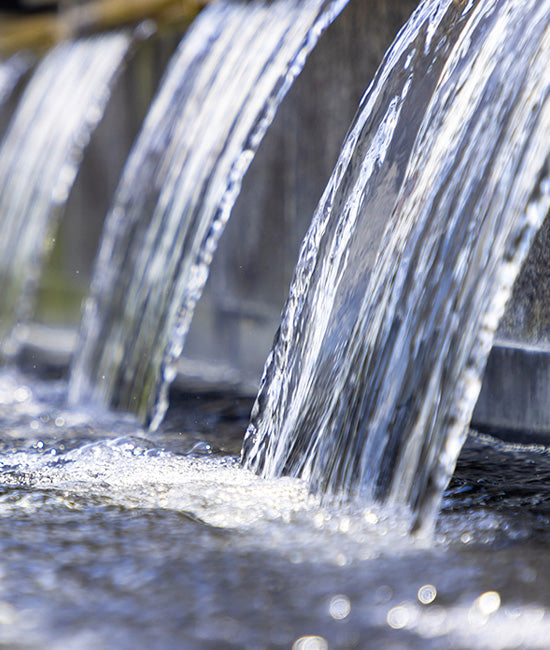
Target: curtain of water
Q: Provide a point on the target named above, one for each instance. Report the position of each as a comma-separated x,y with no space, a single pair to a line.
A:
39,160
374,398
182,178
327,289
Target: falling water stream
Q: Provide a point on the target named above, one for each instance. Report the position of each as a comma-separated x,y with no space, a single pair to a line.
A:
218,98
113,535
40,156
371,386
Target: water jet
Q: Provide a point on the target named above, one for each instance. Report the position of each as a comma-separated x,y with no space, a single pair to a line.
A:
442,88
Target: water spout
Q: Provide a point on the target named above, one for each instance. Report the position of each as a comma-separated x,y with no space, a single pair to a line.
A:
39,160
370,387
218,98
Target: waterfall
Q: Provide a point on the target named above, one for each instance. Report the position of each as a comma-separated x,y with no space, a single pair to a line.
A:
218,97
371,383
39,159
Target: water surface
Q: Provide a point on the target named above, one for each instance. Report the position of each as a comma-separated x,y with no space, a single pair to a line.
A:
116,538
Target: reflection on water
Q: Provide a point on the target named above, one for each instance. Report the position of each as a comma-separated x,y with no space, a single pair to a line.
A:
115,538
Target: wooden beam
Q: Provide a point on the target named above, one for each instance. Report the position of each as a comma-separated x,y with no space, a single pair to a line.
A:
43,31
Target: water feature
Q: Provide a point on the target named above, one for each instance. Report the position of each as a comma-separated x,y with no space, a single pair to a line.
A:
371,385
112,535
39,159
220,94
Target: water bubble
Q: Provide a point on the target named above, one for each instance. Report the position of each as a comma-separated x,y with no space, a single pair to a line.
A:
310,643
483,607
433,622
8,613
488,603
398,617
344,525
59,422
371,518
383,594
339,607
528,575
341,559
22,394
427,594
202,448
319,520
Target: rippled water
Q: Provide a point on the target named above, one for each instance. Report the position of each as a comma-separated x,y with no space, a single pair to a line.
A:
116,538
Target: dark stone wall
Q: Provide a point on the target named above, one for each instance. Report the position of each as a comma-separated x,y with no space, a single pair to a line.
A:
513,404
66,279
527,316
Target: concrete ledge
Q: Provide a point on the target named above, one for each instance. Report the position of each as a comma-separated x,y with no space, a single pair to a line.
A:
514,403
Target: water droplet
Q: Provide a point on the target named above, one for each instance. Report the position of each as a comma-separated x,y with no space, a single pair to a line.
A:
427,594
341,559
339,607
319,520
488,603
201,447
344,525
398,617
310,643
22,394
383,594
371,518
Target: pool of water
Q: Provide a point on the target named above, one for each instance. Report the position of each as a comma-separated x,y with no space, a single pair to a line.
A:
111,537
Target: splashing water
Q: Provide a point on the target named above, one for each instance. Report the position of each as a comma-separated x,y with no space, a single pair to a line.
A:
219,96
371,384
39,159
172,544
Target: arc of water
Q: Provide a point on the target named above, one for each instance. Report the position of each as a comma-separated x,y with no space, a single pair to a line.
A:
39,160
218,98
322,306
388,417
